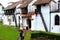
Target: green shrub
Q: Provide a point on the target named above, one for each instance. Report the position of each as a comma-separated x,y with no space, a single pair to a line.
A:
41,33
36,34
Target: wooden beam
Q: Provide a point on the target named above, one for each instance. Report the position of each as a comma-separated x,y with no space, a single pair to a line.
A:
43,21
15,20
45,26
27,14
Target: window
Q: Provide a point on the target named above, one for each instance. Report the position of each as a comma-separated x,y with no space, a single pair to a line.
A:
56,20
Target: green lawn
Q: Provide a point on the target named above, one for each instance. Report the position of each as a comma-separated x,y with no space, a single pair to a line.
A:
8,33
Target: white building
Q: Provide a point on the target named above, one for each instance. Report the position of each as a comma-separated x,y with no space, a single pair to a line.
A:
49,10
55,18
51,16
37,23
37,15
1,12
44,8
12,15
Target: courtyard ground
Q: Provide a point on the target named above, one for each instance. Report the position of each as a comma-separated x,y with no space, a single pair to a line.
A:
8,32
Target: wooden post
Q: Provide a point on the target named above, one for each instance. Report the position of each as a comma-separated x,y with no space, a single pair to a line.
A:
15,20
19,21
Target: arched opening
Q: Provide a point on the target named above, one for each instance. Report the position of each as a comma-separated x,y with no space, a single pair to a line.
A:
56,20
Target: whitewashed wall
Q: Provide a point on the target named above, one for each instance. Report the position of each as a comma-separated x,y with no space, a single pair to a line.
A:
37,22
5,20
54,28
46,14
18,10
12,22
54,6
0,8
11,17
17,18
1,12
31,7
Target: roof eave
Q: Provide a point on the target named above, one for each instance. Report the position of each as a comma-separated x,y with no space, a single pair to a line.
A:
41,3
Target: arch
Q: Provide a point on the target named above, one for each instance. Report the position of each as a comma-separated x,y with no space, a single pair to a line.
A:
56,19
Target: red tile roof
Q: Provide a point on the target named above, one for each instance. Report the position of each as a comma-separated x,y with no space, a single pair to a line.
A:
38,2
25,3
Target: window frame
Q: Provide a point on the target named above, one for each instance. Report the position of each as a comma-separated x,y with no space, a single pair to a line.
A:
57,20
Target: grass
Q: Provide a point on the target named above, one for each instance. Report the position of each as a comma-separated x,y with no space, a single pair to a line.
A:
1,23
27,36
8,33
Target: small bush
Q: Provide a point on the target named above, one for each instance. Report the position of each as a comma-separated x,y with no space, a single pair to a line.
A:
44,34
35,34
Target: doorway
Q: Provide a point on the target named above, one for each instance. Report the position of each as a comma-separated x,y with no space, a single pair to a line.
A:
29,23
